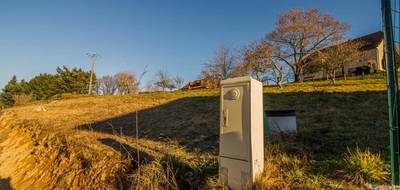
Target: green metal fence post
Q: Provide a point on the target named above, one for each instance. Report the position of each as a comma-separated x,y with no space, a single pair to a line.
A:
267,128
392,90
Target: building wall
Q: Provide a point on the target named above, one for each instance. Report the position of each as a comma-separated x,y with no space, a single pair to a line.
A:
315,76
380,53
368,57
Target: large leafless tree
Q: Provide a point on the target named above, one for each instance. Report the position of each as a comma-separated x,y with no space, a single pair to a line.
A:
106,85
178,80
299,33
260,63
120,84
126,83
257,60
221,67
164,81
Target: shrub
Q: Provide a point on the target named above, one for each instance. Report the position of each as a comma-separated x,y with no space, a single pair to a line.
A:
213,183
180,170
176,170
21,99
153,176
360,167
281,171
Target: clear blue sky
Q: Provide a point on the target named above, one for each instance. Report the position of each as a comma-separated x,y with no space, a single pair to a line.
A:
177,36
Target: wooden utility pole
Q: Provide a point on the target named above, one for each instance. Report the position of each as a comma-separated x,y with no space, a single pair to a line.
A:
93,57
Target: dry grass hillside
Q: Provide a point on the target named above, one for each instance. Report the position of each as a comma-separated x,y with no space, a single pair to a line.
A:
89,142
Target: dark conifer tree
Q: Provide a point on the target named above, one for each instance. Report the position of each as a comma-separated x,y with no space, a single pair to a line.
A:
10,89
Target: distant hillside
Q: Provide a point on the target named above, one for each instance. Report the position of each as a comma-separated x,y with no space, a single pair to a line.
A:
89,142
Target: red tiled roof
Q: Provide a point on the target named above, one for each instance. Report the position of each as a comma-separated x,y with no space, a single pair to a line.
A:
196,84
370,41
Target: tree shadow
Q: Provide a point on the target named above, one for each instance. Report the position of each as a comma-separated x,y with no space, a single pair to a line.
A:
5,184
328,122
193,122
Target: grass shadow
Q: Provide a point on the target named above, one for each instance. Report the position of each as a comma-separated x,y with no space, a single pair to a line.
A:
328,122
192,122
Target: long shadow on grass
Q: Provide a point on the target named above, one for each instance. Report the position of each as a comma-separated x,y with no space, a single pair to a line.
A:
191,121
328,123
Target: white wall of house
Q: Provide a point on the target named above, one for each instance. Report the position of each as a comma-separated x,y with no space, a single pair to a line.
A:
379,56
365,57
372,56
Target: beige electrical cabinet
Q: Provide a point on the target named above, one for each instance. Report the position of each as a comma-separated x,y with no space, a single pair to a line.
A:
241,146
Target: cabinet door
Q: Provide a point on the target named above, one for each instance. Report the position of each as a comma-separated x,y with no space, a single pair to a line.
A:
234,121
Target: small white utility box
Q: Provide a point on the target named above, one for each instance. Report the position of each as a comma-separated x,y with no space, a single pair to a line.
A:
241,145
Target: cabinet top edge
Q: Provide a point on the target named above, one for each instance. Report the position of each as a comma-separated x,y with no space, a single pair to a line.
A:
239,80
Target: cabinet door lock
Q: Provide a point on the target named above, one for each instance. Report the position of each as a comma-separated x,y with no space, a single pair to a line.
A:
225,117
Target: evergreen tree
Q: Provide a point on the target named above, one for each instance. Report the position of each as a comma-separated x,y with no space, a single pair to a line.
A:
73,81
10,89
25,89
44,86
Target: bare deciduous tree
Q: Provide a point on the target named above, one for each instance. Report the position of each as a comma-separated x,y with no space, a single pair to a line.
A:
299,33
178,81
260,63
257,59
278,74
337,57
126,83
221,67
139,81
210,74
120,84
164,81
107,85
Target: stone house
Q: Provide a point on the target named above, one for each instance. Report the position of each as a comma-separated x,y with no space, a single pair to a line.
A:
371,59
196,84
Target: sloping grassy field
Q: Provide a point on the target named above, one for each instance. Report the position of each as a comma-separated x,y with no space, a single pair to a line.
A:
89,142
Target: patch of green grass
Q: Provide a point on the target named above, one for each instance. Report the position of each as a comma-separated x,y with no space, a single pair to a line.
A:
283,170
360,167
177,170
